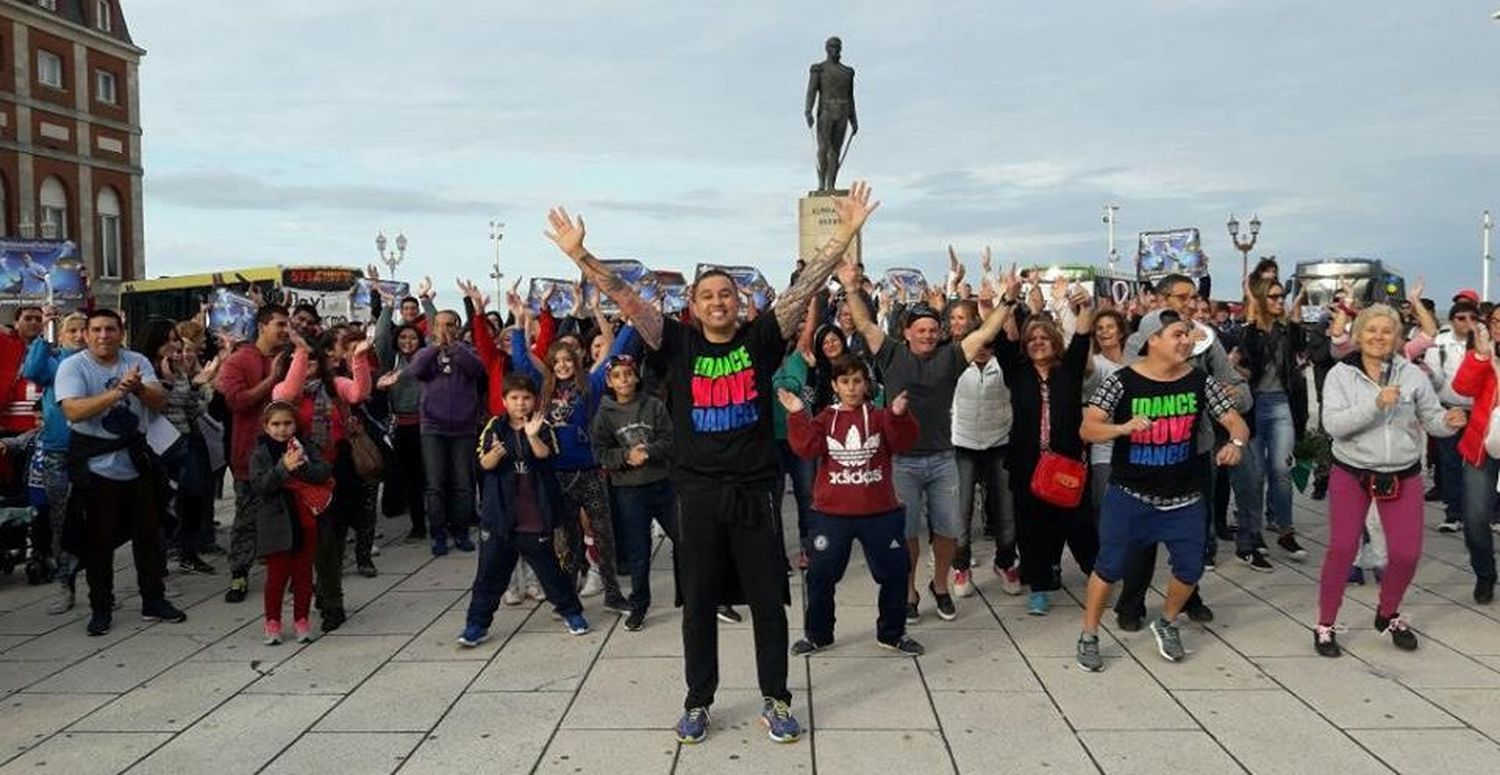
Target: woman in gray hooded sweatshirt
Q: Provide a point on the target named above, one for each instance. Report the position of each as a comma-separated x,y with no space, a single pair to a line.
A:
1376,406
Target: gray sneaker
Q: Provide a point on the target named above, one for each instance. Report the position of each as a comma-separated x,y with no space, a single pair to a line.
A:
1088,653
1168,641
63,603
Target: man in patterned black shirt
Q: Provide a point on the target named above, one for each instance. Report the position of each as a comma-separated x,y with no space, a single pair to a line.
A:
1151,411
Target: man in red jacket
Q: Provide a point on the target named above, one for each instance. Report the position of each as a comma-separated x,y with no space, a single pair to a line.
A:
854,496
1476,379
18,404
246,379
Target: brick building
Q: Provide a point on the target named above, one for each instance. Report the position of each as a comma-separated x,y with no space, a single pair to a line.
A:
70,132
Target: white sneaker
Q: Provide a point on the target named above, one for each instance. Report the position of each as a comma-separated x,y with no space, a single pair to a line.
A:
375,550
593,585
513,596
962,584
1010,580
534,591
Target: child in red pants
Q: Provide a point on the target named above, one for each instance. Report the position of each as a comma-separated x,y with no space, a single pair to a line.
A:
290,484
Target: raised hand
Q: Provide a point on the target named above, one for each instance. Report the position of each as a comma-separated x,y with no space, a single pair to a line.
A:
372,272
984,260
256,295
790,402
849,274
534,424
363,346
568,234
1415,290
853,210
389,379
899,404
1484,344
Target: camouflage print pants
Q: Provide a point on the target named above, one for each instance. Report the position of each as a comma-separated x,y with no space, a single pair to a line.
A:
589,491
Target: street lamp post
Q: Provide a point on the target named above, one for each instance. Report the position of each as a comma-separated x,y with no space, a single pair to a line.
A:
1244,246
497,233
1109,220
394,258
1487,224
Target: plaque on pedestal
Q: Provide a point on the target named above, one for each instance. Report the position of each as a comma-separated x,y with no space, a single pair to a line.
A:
816,221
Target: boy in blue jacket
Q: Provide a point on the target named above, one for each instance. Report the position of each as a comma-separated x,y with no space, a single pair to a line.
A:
520,503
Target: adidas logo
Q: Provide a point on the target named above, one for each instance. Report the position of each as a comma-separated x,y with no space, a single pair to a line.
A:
895,544
859,476
852,451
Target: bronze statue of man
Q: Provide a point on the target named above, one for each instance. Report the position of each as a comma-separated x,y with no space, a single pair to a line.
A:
831,86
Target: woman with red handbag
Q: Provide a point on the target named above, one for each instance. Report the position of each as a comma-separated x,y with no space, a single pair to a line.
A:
1046,457
1151,412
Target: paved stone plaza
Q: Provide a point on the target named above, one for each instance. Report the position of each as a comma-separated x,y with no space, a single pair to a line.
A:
997,692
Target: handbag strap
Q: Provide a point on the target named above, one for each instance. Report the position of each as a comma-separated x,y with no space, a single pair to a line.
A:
1046,415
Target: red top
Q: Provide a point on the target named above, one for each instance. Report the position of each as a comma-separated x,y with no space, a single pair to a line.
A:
494,359
853,448
1475,379
244,369
18,412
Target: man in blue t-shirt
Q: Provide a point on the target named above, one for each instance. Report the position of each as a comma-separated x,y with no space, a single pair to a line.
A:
105,391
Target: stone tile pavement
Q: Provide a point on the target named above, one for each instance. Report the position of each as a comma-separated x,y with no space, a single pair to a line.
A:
997,691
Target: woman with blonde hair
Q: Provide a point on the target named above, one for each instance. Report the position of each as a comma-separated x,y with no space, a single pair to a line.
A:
1376,406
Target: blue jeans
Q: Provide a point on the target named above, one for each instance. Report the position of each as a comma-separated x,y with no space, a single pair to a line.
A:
1479,508
1452,478
1247,482
448,462
801,471
635,508
928,484
880,536
1275,437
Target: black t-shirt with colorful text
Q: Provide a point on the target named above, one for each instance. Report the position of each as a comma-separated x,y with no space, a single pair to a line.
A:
720,399
1160,464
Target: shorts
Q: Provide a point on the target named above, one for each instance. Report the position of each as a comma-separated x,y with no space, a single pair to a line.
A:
928,485
1128,524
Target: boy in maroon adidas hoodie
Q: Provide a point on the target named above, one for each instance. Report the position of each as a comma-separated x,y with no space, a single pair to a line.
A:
854,497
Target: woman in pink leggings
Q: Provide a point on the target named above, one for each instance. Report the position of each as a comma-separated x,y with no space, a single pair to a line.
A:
1375,406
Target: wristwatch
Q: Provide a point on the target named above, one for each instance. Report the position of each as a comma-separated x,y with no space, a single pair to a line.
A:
1237,442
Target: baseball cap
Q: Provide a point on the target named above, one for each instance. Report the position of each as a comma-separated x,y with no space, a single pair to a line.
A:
1469,294
621,360
1153,324
918,312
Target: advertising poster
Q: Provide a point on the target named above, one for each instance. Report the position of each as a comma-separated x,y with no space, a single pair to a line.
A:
366,290
632,272
231,313
1178,251
748,279
672,287
562,302
908,286
40,272
1117,288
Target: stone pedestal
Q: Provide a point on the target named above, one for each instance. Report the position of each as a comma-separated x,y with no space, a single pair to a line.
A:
816,220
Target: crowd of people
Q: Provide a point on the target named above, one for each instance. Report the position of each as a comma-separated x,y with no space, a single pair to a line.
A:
551,446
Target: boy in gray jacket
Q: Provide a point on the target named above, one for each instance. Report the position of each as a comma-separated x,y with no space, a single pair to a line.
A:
632,437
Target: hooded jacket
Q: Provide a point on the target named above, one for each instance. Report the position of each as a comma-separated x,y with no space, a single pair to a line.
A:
498,488
618,427
1369,438
853,450
1476,380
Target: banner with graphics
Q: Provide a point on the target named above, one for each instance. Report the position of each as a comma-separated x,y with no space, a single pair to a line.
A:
1178,251
562,302
672,287
365,291
1117,288
746,278
231,313
909,286
41,272
634,273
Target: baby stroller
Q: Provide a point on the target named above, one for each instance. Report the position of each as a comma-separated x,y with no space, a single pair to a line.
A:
20,541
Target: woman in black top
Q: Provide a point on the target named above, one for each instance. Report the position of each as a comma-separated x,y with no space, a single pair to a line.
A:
1035,365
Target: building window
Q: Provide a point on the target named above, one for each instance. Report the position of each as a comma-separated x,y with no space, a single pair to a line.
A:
111,248
102,15
104,86
54,207
49,69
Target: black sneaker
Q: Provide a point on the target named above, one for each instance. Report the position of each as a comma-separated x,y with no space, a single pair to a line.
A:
367,569
333,619
905,645
728,615
1450,526
1199,613
161,611
636,621
192,563
100,622
912,614
1400,633
1326,641
1484,591
1130,623
1433,495
1210,562
239,586
945,608
1288,544
805,646
619,605
1256,560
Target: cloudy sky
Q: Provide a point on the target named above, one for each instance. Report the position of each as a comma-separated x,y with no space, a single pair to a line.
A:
288,131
